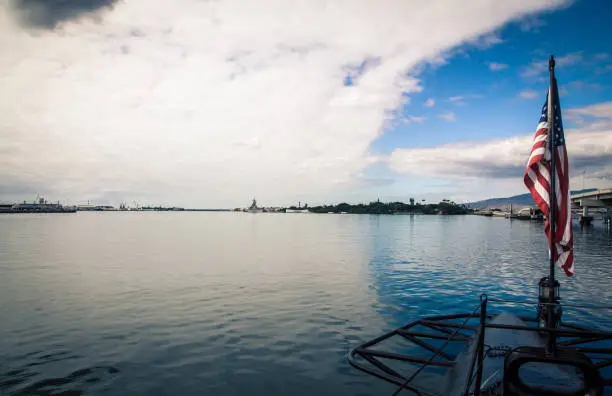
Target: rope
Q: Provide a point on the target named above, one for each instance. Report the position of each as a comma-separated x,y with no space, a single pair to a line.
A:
402,386
502,351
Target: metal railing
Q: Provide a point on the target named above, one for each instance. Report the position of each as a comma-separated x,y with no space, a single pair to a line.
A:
568,337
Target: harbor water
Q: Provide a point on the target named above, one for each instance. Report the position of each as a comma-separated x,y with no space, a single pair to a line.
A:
194,303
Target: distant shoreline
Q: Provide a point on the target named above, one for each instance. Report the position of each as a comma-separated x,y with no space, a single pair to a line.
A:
444,207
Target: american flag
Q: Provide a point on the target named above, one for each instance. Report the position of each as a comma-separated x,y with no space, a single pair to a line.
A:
538,180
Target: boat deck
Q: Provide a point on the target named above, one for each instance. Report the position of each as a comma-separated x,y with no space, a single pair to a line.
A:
450,354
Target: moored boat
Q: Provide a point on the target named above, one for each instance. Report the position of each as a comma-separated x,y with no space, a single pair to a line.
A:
39,206
254,209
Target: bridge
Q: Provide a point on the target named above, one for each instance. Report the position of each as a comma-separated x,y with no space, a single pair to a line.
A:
601,199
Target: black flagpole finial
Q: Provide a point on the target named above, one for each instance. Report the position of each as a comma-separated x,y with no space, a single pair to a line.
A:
551,63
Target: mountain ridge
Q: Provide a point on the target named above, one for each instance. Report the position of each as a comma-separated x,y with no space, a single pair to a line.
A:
515,200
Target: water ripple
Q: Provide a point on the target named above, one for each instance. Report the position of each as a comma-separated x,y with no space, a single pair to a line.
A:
224,303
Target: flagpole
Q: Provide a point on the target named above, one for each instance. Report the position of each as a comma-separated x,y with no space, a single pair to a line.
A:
552,96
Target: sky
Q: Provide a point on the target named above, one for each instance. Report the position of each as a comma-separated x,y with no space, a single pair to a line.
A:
208,104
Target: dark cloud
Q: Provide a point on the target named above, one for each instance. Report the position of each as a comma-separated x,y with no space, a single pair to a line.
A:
488,170
47,14
13,190
590,163
601,174
377,182
136,32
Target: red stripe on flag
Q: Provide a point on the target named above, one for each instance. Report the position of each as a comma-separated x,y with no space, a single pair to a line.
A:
537,179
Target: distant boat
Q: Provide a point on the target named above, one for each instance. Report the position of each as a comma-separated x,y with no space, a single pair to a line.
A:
483,212
253,208
532,213
511,215
297,211
42,206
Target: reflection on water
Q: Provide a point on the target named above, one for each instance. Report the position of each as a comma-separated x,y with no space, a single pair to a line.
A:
235,303
451,260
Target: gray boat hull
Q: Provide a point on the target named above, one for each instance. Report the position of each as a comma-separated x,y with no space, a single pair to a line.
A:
498,342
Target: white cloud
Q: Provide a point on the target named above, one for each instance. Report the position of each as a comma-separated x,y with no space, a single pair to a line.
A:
210,103
462,160
531,25
538,68
429,102
570,59
495,66
487,41
599,110
595,117
529,94
460,100
411,119
449,116
582,85
502,161
457,100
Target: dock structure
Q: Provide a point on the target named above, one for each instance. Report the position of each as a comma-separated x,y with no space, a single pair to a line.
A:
598,199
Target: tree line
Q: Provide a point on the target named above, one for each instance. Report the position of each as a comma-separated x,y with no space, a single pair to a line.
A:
443,207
